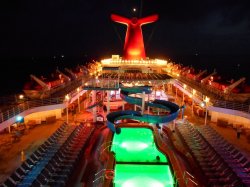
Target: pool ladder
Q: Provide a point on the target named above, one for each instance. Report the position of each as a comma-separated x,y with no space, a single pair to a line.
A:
101,175
188,177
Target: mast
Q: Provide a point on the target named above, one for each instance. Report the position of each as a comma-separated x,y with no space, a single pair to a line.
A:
233,85
207,77
199,74
65,76
71,73
39,81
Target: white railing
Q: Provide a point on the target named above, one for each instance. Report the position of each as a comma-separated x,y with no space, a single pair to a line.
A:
232,105
102,83
243,107
26,105
23,104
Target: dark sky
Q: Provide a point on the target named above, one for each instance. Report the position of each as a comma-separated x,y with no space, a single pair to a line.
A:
83,27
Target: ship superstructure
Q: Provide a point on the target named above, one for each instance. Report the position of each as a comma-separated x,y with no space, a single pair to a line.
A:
130,97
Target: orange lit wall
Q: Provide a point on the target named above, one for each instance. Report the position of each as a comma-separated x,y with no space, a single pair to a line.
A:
134,45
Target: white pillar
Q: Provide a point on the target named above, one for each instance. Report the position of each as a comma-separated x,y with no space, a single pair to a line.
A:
206,116
135,105
176,94
148,105
108,102
93,102
143,103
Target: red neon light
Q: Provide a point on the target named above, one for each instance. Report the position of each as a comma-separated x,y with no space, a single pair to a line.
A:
134,45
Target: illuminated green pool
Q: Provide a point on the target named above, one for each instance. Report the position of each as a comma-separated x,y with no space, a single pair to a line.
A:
138,161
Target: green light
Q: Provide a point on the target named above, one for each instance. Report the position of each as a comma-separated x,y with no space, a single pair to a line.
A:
128,175
136,145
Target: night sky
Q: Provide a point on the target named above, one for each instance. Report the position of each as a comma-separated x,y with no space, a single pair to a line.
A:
219,29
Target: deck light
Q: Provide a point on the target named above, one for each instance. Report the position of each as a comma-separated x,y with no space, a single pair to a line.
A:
21,96
19,118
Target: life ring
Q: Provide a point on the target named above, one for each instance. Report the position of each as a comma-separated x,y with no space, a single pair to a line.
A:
109,174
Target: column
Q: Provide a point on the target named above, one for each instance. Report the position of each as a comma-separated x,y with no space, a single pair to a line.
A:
176,94
206,105
93,102
67,107
108,102
148,105
206,115
135,105
143,103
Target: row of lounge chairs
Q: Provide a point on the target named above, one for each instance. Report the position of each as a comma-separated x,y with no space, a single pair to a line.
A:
53,162
215,167
237,161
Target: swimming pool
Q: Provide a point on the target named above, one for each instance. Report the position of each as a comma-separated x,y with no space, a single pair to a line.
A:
138,161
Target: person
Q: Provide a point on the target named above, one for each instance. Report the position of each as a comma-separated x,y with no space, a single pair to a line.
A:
158,126
239,130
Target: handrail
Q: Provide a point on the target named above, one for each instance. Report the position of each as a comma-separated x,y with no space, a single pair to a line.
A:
105,143
243,107
21,106
103,170
26,105
232,105
98,178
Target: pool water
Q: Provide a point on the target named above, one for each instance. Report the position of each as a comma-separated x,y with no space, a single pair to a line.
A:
138,161
132,175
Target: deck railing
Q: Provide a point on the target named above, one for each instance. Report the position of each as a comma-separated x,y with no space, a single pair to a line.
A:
26,105
216,101
20,105
232,105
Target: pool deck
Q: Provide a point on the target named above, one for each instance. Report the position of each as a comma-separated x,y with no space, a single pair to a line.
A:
28,141
10,150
